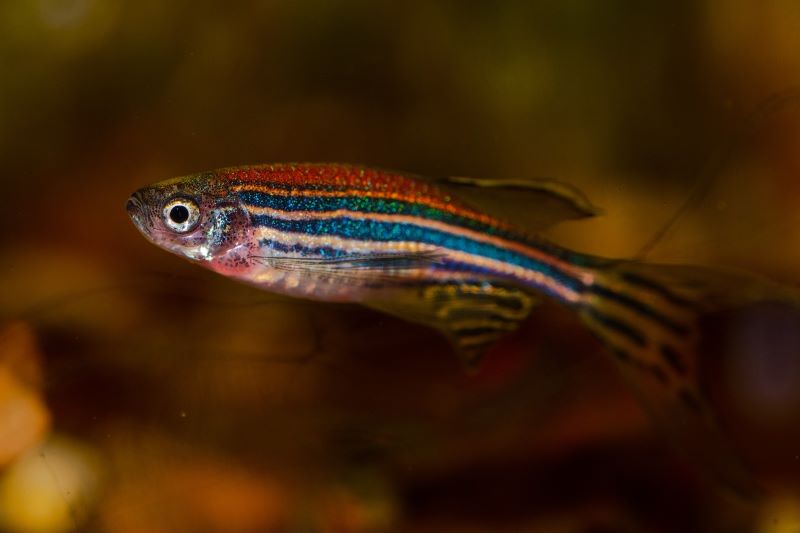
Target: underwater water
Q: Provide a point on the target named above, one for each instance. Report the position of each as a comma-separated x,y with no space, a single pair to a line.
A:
139,392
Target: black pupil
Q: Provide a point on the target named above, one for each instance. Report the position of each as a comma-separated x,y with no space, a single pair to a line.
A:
179,214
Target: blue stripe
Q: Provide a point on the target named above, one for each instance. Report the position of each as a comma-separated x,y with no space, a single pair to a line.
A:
373,230
365,204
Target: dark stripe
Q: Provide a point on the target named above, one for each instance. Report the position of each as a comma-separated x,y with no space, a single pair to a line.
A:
478,331
690,400
379,231
620,327
365,204
659,374
469,314
621,354
656,371
641,307
512,296
315,251
660,290
673,358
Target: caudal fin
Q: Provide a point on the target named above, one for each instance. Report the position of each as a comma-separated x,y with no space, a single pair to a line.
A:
649,316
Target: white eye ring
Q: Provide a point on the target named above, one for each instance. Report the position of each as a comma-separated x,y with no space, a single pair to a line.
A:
181,215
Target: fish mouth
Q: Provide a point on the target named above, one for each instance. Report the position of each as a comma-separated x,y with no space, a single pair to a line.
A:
136,211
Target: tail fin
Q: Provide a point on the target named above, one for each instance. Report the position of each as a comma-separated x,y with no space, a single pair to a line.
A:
648,315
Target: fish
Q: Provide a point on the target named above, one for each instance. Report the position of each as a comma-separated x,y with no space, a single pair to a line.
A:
464,256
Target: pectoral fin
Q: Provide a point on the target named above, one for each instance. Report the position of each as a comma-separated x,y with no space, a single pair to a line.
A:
364,267
473,316
532,205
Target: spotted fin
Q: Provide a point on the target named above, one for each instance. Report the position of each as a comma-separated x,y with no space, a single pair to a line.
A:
473,316
532,205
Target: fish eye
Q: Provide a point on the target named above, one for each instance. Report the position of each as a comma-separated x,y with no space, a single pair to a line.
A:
181,214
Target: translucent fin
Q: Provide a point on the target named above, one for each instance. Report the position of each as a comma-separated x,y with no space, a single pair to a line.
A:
648,316
374,267
473,316
532,205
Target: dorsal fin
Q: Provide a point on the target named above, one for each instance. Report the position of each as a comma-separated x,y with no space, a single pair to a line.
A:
532,205
473,316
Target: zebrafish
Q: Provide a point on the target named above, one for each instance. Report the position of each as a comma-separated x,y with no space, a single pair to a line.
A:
461,255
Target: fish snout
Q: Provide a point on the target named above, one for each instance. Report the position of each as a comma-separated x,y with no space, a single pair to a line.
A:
134,203
136,210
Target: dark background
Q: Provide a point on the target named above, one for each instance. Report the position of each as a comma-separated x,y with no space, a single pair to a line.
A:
168,399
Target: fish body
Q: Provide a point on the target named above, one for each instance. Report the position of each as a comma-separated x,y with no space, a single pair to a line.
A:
410,246
384,229
460,255
388,240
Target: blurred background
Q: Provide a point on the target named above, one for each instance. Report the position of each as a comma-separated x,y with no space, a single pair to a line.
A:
141,394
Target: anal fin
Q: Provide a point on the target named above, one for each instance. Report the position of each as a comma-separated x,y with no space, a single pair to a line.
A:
473,316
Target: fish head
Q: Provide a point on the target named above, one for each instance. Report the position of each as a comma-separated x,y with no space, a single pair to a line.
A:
196,217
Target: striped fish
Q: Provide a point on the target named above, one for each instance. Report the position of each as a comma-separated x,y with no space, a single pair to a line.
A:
461,255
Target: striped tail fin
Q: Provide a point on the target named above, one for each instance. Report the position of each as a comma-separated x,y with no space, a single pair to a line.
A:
648,316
